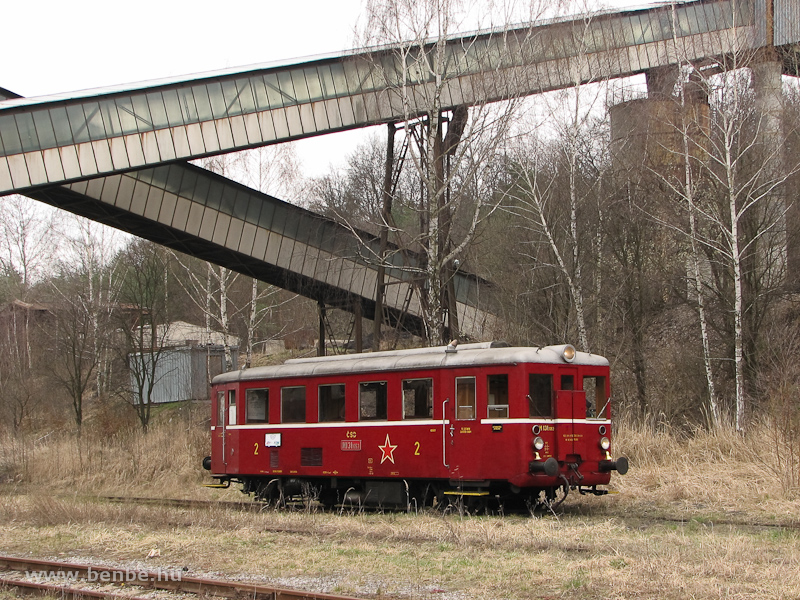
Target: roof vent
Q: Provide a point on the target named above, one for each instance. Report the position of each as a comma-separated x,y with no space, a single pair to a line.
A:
451,347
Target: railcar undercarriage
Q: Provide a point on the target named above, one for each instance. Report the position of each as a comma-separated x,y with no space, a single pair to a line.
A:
405,494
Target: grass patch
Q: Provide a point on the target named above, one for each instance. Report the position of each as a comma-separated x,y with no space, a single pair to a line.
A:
581,556
680,526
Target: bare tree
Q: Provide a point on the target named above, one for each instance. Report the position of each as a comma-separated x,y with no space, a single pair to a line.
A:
733,167
29,234
556,185
571,176
91,248
74,360
145,322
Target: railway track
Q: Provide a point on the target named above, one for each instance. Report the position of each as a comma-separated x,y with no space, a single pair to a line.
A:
247,506
632,520
82,581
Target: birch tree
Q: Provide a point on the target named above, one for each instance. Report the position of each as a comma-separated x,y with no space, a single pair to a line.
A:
545,174
572,176
734,168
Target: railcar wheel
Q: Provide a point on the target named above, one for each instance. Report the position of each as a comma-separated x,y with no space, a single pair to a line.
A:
439,501
420,497
477,505
270,492
308,495
329,498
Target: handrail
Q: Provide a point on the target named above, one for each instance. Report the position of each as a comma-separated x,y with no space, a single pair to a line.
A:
444,434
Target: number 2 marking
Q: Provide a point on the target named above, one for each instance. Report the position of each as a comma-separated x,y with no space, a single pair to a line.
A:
255,449
416,448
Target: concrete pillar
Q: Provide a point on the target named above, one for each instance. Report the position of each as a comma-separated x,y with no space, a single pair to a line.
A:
661,82
768,91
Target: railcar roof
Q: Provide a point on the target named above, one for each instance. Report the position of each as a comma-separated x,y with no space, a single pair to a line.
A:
488,353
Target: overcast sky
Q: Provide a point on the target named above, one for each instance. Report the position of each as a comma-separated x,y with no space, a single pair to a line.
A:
54,46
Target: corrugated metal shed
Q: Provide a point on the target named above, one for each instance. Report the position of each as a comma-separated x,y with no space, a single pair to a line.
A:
183,373
787,22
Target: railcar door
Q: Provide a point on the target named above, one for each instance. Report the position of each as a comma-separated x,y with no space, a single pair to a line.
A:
462,431
231,435
224,457
570,407
218,434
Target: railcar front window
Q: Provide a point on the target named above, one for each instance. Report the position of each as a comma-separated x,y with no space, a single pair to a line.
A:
540,395
257,408
465,398
497,386
418,399
293,404
567,382
372,401
596,398
331,403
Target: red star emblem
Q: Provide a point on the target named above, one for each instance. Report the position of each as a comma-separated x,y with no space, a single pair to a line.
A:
388,450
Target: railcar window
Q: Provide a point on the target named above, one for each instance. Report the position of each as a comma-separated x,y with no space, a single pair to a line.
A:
220,409
293,404
331,403
418,399
567,382
497,386
231,407
372,401
465,398
257,406
540,395
595,388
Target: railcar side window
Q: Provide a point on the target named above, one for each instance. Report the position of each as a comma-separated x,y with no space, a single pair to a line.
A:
372,401
257,406
418,399
220,409
540,395
331,403
595,388
465,398
497,386
231,407
293,404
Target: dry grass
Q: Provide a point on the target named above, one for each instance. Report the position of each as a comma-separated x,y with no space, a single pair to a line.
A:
717,473
678,528
164,462
423,556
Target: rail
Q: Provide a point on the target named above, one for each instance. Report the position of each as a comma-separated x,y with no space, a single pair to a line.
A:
161,580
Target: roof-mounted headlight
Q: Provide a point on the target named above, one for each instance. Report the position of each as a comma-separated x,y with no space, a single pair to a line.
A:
568,353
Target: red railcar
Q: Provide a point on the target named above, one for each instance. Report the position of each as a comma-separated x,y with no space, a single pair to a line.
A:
475,421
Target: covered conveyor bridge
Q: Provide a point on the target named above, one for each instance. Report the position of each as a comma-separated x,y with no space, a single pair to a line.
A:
208,216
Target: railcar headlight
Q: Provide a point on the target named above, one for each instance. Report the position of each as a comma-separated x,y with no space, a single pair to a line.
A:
538,443
568,353
605,444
